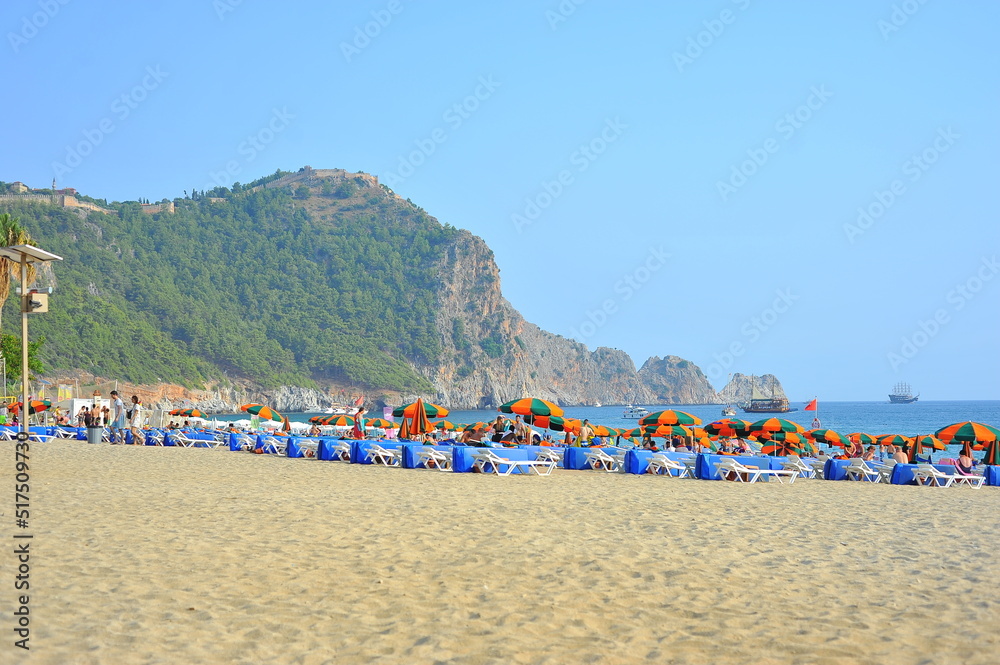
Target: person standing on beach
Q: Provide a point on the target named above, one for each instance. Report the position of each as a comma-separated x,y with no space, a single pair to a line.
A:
134,415
359,423
118,421
586,434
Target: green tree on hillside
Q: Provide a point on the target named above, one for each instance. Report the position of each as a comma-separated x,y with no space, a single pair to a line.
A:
12,233
10,350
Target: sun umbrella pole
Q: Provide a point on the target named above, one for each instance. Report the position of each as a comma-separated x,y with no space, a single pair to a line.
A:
24,344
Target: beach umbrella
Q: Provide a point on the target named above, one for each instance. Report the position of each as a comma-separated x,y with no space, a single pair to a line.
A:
316,419
265,412
531,406
775,425
670,417
189,413
34,405
555,423
600,430
443,424
968,431
992,456
474,426
430,410
931,442
728,427
780,449
660,431
337,421
420,424
785,443
379,422
829,437
914,452
893,440
862,438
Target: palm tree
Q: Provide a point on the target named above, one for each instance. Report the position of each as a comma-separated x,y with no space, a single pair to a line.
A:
12,233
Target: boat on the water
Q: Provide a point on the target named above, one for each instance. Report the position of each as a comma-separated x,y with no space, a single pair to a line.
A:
339,410
729,411
634,412
597,405
901,394
761,403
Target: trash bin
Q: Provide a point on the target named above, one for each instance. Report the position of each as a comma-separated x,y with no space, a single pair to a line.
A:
94,434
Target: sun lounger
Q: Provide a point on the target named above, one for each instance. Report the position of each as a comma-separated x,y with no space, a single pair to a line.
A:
489,462
64,433
309,447
379,455
858,469
730,469
274,445
661,464
342,451
926,474
185,441
551,455
435,459
818,467
601,460
795,463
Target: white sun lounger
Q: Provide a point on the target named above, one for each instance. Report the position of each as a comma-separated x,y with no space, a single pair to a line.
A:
858,469
795,463
435,459
926,474
731,469
551,455
275,443
601,460
502,466
379,455
342,451
309,447
662,464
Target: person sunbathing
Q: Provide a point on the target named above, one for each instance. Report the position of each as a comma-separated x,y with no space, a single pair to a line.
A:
965,464
900,456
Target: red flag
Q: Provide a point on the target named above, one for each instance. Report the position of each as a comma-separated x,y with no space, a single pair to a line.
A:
359,401
811,406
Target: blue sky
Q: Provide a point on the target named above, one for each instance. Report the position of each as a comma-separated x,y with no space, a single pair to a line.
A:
803,189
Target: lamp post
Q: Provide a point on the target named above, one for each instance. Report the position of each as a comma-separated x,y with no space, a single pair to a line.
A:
31,301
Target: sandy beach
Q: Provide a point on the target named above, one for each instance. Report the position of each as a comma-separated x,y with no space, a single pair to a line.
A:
166,555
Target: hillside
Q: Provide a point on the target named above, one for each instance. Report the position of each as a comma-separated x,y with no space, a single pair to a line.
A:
300,284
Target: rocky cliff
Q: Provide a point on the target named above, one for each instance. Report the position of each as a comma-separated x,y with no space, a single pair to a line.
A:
492,355
674,380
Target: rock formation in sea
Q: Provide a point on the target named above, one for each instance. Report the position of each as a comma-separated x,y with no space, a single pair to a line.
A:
738,389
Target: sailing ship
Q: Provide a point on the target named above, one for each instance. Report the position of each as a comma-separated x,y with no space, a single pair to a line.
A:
901,394
761,403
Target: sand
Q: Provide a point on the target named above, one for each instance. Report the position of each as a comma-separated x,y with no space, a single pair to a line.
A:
163,555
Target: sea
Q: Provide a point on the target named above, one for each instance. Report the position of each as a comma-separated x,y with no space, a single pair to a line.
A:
875,418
